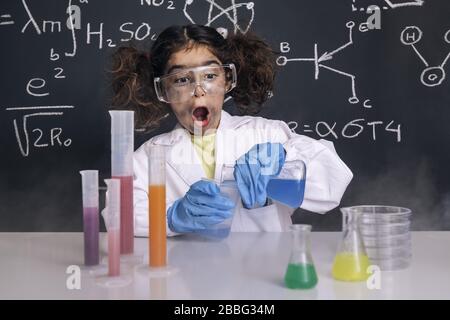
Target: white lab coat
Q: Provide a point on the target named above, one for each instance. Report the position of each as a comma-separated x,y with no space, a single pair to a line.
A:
327,176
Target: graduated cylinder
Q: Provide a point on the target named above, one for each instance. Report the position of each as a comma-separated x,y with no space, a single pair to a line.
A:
157,206
122,146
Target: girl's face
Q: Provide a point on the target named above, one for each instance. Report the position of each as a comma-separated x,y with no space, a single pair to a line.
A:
201,111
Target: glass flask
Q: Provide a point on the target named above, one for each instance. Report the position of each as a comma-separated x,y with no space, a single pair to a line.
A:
287,188
300,272
351,261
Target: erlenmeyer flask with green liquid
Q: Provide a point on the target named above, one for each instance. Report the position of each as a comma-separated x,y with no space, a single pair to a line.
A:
351,261
300,272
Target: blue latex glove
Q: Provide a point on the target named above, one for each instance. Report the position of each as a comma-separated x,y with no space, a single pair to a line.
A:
254,170
203,205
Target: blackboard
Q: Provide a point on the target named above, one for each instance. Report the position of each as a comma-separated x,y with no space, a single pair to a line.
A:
372,80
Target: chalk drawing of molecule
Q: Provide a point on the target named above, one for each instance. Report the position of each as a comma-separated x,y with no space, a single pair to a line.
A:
431,76
216,11
319,63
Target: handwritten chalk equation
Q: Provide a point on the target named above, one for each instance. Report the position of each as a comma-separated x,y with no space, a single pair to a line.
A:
319,62
42,139
431,76
94,33
37,86
349,130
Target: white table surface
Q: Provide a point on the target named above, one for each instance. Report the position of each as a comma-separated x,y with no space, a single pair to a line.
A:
244,266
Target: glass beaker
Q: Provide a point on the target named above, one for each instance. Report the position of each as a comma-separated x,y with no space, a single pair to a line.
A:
351,261
222,229
300,273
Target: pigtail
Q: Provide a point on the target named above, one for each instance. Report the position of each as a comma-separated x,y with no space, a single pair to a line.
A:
132,86
256,68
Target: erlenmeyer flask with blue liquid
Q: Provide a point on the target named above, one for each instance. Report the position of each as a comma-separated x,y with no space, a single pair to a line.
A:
287,188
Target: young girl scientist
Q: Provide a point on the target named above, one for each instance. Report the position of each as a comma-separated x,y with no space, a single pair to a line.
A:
190,71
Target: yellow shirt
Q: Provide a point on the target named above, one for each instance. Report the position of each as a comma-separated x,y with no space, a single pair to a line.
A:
205,147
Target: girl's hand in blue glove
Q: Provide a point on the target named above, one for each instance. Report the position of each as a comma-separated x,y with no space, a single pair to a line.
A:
254,170
203,205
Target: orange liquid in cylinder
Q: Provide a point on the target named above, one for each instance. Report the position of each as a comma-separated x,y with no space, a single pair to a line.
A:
157,223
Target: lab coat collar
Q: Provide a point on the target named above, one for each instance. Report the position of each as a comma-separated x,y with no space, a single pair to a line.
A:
183,157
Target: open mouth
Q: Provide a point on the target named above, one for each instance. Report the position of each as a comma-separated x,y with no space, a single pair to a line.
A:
200,116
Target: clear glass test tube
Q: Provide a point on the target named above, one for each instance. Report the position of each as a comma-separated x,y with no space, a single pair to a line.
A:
89,183
122,147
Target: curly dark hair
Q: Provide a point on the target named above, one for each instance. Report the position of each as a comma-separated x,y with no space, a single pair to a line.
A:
133,70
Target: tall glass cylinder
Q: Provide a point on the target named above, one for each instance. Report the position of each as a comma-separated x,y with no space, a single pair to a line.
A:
157,206
122,147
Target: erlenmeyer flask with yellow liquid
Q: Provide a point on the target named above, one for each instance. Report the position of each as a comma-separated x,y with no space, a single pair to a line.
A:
351,261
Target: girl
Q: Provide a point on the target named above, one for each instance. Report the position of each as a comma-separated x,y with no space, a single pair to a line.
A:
188,72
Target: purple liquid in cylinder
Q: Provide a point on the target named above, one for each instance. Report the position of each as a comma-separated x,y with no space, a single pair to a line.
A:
90,224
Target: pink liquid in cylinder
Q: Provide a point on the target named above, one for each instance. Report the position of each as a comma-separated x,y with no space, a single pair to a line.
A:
114,252
126,215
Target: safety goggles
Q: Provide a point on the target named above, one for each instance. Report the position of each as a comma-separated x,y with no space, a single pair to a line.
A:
180,86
